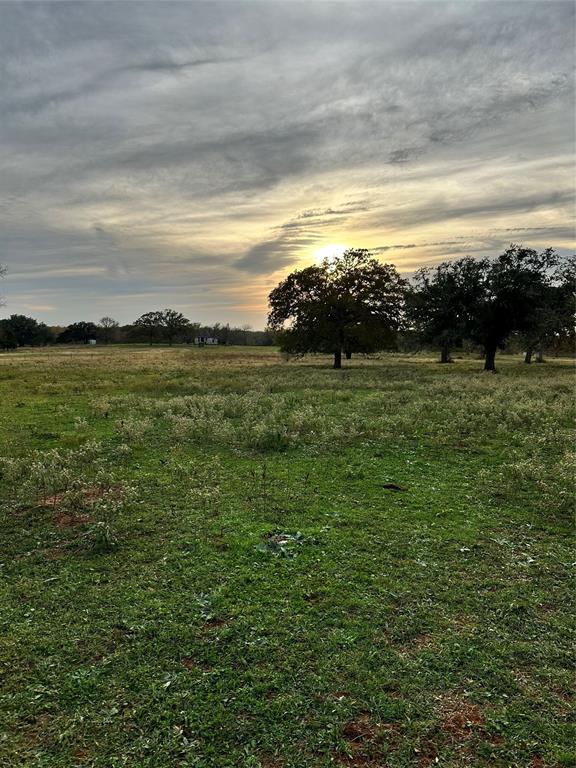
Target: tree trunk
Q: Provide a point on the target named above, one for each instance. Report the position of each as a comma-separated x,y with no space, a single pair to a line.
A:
348,354
528,356
540,356
445,354
489,363
337,358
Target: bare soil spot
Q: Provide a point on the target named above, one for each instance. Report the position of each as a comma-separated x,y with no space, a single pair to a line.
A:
426,755
271,762
460,719
352,760
359,730
70,520
418,643
461,725
214,623
364,741
88,495
393,487
33,731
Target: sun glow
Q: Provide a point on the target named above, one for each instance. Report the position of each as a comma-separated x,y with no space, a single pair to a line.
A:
330,252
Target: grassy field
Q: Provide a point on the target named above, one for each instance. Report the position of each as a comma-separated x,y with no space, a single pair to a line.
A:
217,558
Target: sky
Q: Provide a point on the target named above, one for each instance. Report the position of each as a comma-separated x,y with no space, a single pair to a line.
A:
190,155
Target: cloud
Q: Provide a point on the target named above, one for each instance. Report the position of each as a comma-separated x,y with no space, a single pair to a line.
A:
482,207
302,232
178,150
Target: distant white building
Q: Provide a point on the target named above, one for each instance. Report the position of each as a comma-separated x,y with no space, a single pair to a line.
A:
202,341
91,341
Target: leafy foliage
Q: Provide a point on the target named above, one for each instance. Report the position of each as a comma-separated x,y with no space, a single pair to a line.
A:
164,325
80,332
520,291
444,300
26,331
351,304
516,285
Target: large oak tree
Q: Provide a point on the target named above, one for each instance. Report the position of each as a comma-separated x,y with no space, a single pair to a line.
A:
166,325
444,300
551,320
351,304
516,285
81,332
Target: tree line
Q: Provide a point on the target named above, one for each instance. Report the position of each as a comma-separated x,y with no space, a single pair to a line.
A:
161,327
357,304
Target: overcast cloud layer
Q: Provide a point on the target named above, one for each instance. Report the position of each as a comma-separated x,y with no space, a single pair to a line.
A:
190,154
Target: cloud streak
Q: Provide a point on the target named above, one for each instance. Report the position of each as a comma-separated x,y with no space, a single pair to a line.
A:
187,152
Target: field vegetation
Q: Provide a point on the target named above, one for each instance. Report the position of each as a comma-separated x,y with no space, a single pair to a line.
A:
221,558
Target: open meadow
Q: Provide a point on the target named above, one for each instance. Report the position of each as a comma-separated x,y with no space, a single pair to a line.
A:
220,559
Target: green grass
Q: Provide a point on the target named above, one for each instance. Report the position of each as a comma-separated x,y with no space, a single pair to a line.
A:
269,602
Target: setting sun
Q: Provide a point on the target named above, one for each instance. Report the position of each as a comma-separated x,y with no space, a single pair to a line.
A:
331,251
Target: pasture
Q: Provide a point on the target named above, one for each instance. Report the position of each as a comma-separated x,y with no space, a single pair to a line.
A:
220,559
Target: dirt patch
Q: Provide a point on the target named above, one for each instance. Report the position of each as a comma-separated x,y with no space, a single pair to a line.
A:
365,741
359,730
271,762
460,719
33,731
188,662
88,496
214,623
418,643
352,760
422,641
70,519
426,755
461,724
393,487
66,514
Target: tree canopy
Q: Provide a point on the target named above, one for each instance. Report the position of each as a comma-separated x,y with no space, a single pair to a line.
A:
163,325
552,318
8,338
26,331
351,304
521,291
107,328
355,303
444,300
80,332
515,288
